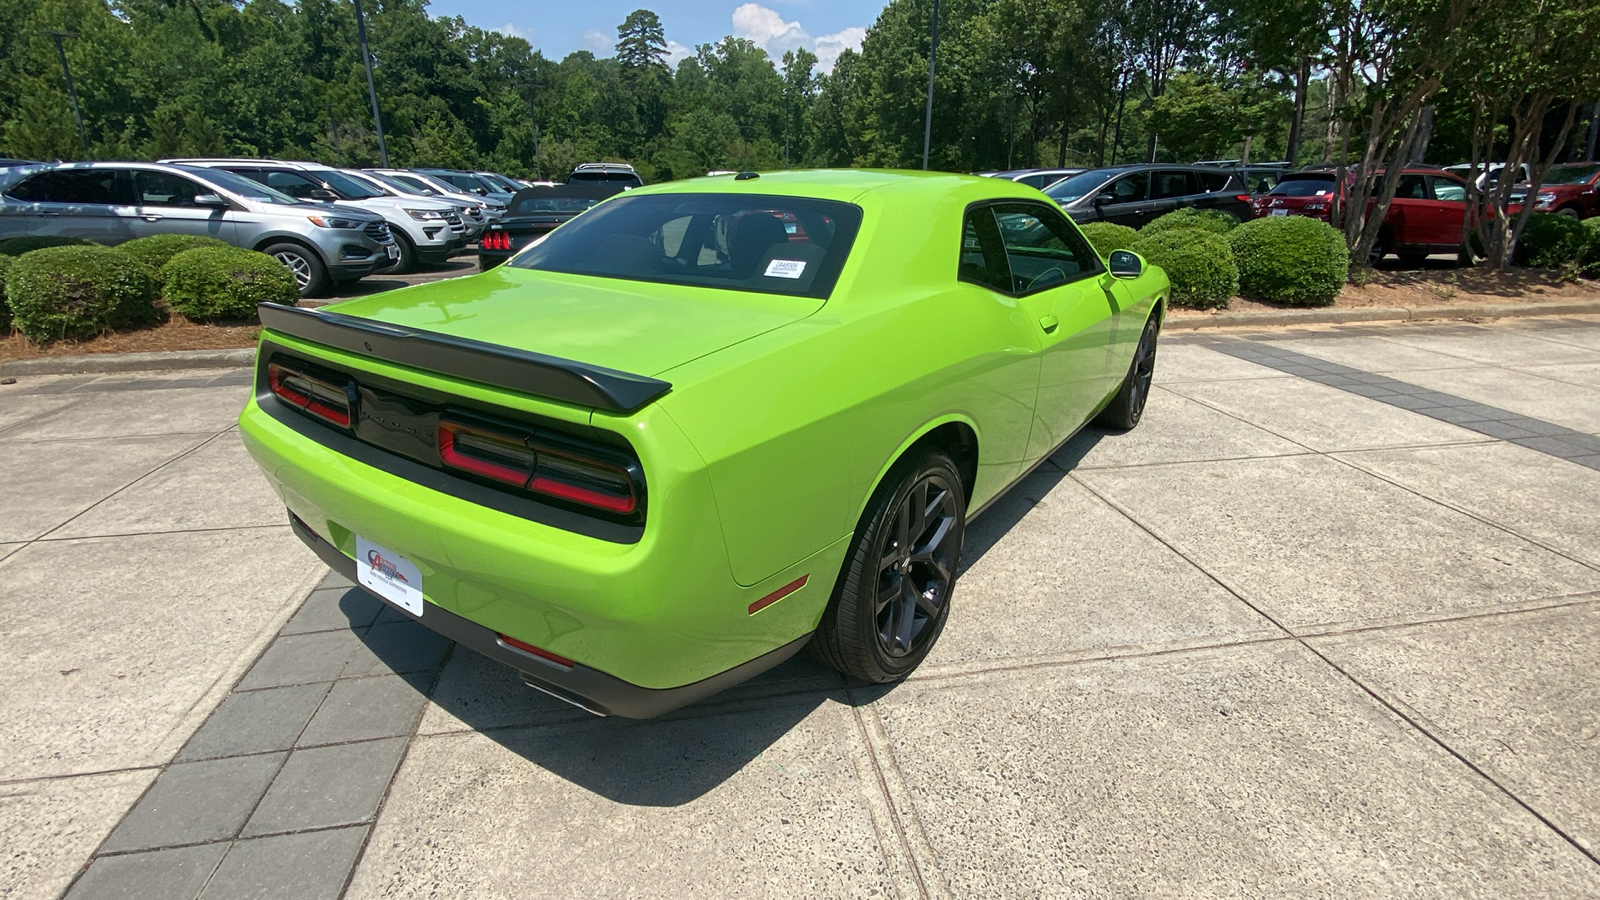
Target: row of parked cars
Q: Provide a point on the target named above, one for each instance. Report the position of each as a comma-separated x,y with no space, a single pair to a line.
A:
327,225
1426,217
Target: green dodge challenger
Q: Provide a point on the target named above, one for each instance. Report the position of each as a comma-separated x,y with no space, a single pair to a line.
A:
704,424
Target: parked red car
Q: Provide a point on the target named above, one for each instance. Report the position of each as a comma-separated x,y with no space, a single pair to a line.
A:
1570,189
1427,215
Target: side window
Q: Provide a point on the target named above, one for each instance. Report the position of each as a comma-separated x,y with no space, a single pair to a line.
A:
164,189
1131,188
292,183
983,254
1033,181
1211,182
1412,187
1173,184
84,186
1042,249
1449,190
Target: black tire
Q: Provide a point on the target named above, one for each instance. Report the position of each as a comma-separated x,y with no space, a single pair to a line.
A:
1570,212
1127,407
310,275
893,597
1413,257
1380,249
406,263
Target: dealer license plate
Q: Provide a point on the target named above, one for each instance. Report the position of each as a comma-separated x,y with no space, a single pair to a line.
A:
393,251
1277,212
389,575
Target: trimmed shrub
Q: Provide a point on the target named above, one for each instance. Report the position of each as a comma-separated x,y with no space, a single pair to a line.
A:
1108,236
5,306
157,250
78,292
1294,260
1552,242
1198,263
225,283
16,246
1211,220
1590,267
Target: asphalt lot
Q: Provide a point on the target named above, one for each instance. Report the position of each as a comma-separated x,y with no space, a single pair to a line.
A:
1325,624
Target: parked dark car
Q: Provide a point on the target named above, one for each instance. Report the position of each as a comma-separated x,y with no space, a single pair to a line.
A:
1427,216
1570,189
1136,195
535,212
620,174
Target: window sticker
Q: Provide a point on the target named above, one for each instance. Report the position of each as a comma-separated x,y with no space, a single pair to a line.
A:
786,268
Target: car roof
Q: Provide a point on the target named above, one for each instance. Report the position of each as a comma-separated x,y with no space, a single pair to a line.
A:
850,185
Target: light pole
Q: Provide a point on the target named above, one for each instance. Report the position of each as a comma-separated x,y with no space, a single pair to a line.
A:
927,117
372,90
72,92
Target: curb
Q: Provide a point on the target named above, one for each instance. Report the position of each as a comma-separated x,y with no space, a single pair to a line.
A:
107,363
1292,317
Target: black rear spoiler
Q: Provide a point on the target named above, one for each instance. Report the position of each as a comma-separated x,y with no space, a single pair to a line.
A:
491,364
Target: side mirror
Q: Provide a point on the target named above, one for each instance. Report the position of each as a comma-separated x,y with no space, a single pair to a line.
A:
212,200
323,194
1126,264
1104,197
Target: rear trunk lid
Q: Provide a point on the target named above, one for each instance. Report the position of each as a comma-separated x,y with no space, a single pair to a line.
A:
629,326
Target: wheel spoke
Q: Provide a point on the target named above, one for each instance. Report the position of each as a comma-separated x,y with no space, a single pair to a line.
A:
890,592
907,611
903,526
926,551
926,603
918,505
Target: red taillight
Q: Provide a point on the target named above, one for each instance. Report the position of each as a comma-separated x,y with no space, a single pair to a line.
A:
496,240
1242,198
326,401
524,462
540,652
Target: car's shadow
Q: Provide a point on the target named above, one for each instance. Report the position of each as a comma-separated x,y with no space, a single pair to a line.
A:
673,759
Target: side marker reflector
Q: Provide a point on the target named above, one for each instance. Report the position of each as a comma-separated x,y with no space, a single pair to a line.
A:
778,594
540,652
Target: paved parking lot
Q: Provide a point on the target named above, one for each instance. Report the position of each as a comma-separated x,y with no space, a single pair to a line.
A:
1325,624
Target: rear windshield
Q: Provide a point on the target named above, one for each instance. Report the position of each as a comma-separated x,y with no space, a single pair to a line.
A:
524,205
1304,186
741,242
603,177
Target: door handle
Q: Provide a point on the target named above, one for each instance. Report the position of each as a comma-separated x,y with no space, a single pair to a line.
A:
51,215
1049,324
150,218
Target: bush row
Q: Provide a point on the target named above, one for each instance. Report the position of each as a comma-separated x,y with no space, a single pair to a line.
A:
1209,257
68,289
1561,242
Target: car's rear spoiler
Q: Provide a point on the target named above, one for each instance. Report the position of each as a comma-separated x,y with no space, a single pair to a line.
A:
491,364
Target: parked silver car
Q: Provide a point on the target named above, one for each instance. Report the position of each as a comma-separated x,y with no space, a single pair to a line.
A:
114,202
426,231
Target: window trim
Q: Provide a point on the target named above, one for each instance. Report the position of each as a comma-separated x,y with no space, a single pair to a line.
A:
1098,270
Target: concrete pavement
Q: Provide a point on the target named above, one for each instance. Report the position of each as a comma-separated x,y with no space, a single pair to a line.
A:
1325,623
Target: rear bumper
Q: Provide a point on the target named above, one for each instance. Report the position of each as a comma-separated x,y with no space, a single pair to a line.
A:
587,688
488,259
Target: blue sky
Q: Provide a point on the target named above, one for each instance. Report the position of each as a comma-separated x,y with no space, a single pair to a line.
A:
823,26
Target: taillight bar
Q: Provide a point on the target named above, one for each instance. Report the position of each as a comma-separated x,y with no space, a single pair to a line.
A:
325,400
495,240
539,467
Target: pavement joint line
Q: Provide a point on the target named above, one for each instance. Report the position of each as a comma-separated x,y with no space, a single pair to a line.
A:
122,534
112,854
1532,608
902,803
41,415
883,789
1393,709
130,485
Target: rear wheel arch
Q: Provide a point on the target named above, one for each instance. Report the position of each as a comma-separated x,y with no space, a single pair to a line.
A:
954,436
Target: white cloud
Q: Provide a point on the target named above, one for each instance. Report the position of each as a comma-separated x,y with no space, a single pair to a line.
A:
512,30
767,29
676,53
600,41
829,46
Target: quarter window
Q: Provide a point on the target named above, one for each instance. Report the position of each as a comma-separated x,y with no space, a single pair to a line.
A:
983,252
1449,190
1131,188
1412,187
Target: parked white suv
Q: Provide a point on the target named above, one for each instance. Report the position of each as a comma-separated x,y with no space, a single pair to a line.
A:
470,211
492,209
426,231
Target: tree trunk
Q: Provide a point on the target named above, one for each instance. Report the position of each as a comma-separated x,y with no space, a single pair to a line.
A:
1244,155
1302,81
1122,99
1150,144
1426,134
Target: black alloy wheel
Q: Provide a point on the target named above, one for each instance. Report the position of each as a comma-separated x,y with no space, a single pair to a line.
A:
1127,407
893,597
